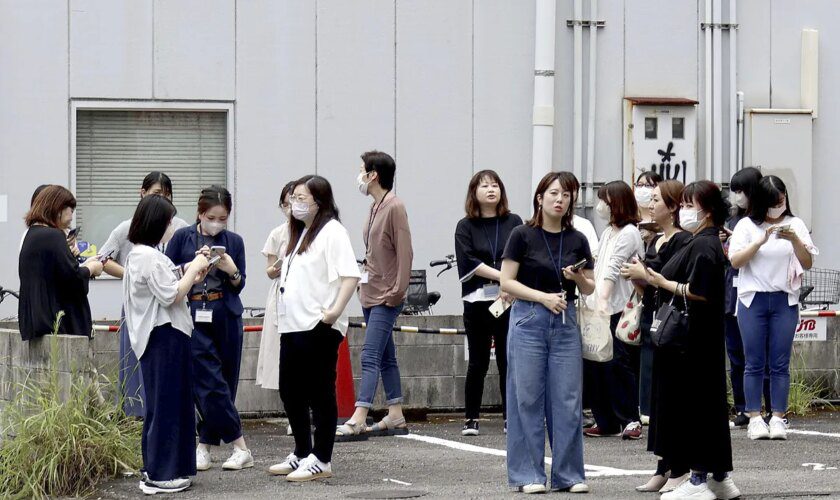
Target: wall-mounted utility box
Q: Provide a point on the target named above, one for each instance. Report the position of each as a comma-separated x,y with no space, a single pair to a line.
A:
781,145
660,134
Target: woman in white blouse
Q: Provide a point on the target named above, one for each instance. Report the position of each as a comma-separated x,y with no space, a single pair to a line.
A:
268,360
771,249
159,326
613,387
317,280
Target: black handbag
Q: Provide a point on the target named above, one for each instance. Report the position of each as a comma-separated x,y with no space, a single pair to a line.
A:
670,326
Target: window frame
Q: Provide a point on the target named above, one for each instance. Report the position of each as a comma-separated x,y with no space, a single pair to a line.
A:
173,106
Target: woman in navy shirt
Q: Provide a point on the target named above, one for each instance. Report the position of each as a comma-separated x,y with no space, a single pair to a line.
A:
217,335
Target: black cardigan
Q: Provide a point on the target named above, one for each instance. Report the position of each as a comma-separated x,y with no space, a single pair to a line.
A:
51,280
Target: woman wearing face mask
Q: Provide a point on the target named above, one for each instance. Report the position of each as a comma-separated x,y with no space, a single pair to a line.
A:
268,365
664,211
117,248
544,343
217,335
771,248
742,187
690,380
643,191
51,279
318,278
613,386
159,327
479,242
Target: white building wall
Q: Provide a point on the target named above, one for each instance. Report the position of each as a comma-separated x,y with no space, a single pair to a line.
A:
445,86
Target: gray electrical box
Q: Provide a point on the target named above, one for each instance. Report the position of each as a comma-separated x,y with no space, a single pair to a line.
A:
781,145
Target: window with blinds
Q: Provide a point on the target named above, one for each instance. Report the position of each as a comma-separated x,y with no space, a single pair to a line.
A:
116,149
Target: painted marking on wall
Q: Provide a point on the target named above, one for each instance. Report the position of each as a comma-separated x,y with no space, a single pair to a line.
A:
591,470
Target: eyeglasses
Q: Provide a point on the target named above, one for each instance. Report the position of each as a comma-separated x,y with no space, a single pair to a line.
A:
301,198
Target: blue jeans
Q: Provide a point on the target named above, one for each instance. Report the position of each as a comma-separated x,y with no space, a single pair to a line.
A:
767,330
379,356
544,381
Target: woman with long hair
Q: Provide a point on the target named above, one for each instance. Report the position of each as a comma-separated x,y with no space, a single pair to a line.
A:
317,280
545,263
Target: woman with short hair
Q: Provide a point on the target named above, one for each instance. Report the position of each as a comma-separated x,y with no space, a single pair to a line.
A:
51,279
159,326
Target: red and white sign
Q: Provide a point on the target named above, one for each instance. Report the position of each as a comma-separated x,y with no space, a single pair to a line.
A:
811,329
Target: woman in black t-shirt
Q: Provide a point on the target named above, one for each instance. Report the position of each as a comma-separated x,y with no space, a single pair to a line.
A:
544,344
480,238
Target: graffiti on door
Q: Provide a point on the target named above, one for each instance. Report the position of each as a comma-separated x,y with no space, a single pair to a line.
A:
670,168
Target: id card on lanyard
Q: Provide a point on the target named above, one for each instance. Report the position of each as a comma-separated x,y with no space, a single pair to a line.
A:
557,264
491,290
287,264
373,211
203,315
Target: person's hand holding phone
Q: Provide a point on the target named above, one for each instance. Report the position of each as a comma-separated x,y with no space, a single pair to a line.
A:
94,266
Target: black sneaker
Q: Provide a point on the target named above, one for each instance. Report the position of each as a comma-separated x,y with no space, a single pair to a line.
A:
741,420
470,428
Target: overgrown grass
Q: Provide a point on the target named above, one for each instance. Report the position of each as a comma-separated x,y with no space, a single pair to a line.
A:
63,441
804,394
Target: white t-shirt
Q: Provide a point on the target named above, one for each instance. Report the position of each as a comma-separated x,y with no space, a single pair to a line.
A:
584,226
119,246
277,241
311,280
150,288
770,268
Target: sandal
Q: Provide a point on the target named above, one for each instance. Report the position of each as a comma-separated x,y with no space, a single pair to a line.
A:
350,431
388,427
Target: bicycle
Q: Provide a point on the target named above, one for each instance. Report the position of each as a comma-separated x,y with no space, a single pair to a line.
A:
5,292
419,299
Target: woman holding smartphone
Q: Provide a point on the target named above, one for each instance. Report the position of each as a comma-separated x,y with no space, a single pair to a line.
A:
771,249
544,378
217,335
268,360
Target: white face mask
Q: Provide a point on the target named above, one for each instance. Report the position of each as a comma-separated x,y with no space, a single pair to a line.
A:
776,212
643,195
300,210
212,228
603,210
363,186
690,219
167,235
740,200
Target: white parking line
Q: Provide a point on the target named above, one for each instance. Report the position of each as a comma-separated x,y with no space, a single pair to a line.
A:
814,433
591,470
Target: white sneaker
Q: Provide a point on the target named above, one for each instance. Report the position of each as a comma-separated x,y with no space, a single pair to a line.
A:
289,430
150,487
778,429
532,488
758,429
285,467
687,490
310,468
724,490
202,459
644,419
241,459
579,488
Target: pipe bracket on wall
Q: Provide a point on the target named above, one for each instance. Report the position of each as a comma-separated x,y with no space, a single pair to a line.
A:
719,26
571,23
544,72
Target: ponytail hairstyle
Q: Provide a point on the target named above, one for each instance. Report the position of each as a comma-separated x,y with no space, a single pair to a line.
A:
214,196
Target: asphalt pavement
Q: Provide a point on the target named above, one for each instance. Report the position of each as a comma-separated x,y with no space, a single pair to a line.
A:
435,461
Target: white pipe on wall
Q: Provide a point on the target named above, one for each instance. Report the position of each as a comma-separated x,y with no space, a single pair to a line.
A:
707,116
543,116
577,118
740,130
590,133
717,95
731,92
809,84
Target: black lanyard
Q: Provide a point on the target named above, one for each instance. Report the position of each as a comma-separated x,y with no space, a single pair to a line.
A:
558,264
494,247
290,260
373,211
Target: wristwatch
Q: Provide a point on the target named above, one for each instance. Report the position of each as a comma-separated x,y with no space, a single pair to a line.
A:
235,276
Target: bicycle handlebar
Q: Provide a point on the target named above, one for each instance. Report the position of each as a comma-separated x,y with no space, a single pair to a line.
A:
436,263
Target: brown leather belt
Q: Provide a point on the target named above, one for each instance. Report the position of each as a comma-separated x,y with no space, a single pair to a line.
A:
210,297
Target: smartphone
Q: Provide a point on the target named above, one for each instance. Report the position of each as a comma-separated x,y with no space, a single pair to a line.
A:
214,260
578,265
498,307
217,250
277,263
105,258
782,229
74,232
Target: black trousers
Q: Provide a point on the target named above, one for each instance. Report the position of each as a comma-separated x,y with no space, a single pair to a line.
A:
168,440
482,329
615,385
307,381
